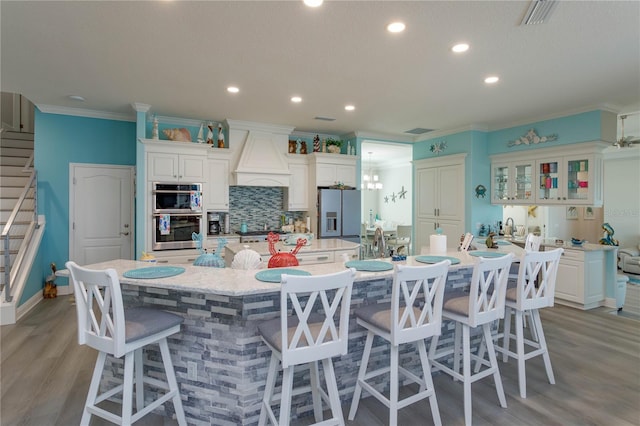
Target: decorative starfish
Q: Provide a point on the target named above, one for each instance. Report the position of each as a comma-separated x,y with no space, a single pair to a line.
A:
402,192
386,199
438,147
393,197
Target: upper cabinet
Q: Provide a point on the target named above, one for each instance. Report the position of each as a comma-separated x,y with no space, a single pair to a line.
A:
333,169
216,189
297,193
568,175
512,182
175,167
17,113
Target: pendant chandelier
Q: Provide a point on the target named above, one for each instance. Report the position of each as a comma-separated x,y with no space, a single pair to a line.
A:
369,180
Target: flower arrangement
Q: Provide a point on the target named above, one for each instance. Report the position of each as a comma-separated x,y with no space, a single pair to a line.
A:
333,145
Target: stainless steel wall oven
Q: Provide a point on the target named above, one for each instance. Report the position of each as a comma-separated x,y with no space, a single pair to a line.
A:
177,214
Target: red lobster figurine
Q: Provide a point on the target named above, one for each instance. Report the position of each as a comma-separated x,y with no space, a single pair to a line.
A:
279,259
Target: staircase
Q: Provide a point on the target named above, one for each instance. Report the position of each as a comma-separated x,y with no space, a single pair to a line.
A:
16,174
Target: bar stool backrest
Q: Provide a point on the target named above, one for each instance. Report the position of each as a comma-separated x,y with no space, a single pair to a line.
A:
488,289
99,309
466,241
420,287
315,301
532,242
537,279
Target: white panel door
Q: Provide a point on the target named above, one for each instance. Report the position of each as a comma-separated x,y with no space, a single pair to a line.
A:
101,213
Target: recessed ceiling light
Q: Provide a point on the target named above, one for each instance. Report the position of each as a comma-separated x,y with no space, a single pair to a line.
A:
395,27
296,99
349,107
491,80
232,89
76,98
313,3
459,48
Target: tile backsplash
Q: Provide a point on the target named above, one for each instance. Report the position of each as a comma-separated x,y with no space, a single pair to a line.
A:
257,205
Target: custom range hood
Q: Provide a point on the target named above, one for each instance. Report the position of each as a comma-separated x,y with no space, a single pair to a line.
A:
262,160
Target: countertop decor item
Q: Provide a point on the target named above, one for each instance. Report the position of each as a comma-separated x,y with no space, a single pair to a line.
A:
280,259
292,239
153,272
275,275
246,259
369,265
436,259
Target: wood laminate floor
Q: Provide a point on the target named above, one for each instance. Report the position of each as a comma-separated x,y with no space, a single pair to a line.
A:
44,376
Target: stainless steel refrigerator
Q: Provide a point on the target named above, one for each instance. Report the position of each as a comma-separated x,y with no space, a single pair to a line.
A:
339,214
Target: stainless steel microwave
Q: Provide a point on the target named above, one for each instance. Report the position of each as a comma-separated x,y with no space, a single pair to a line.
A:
177,197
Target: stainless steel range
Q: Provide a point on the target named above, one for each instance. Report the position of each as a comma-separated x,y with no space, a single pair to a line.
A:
254,236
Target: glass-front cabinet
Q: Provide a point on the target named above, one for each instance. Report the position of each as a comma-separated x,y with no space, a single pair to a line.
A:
512,182
567,175
567,180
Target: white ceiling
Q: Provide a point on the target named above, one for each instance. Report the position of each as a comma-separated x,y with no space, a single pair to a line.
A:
180,56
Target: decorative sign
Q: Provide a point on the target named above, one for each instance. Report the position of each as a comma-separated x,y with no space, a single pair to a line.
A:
530,138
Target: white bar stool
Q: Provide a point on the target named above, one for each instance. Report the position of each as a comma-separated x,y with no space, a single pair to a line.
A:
480,307
422,288
306,337
106,326
535,290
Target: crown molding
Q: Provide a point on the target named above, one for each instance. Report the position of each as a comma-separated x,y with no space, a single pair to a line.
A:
140,107
89,113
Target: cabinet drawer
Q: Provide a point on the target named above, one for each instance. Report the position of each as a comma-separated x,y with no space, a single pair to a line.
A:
572,255
315,258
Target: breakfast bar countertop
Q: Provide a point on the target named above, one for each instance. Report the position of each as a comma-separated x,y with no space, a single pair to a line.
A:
237,282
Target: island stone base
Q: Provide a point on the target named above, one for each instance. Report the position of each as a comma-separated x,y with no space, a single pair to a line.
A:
219,338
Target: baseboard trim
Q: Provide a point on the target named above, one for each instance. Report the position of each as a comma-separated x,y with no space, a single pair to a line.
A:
29,305
610,302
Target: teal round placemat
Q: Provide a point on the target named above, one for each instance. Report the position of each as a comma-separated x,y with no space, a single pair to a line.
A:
154,272
503,243
274,275
369,265
487,253
436,259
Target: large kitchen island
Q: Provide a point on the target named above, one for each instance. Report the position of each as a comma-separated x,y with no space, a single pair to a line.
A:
220,360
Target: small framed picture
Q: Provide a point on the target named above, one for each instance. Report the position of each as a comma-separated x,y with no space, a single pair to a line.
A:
588,213
572,213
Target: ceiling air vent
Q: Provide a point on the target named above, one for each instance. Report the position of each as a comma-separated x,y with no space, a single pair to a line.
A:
538,12
319,117
418,131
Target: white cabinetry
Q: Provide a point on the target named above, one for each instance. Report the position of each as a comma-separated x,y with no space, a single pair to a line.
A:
331,169
580,279
440,198
166,167
297,194
567,175
512,182
216,190
17,113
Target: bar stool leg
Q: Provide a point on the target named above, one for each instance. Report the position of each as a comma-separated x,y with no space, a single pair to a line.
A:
506,338
315,394
268,390
363,370
543,345
127,390
494,364
173,383
93,388
393,386
466,372
522,377
428,383
138,370
332,390
285,401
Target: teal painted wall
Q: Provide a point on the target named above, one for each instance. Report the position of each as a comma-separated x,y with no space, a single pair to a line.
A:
585,127
60,140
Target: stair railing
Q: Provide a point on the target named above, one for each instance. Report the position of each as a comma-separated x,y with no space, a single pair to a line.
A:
11,270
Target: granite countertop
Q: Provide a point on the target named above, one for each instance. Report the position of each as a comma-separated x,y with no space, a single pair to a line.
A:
321,244
235,282
564,245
